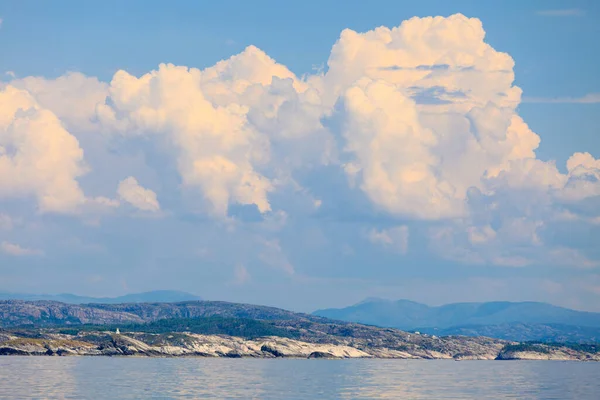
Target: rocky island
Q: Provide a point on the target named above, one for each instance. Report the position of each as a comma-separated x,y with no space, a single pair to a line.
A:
220,329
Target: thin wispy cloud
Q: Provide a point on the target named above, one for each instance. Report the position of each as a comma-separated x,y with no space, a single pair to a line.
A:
591,98
568,12
240,275
14,249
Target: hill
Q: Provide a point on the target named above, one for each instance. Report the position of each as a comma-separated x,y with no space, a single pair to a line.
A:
43,320
507,320
221,329
524,332
156,296
49,313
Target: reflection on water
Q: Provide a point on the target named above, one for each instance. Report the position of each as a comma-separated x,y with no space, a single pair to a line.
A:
134,378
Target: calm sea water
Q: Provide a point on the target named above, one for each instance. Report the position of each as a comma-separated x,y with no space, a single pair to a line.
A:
165,378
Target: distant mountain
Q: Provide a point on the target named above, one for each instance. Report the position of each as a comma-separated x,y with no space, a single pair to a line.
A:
156,296
555,333
244,330
506,320
29,328
46,313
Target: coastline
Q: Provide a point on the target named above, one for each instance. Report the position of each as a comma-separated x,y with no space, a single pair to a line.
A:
190,345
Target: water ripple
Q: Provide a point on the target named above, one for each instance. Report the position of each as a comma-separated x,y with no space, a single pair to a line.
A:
198,378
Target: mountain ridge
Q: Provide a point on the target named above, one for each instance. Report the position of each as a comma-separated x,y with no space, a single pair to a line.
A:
154,296
223,329
47,312
500,319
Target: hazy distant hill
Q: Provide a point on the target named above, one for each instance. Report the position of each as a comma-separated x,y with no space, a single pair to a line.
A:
44,312
244,330
524,332
508,320
28,328
157,296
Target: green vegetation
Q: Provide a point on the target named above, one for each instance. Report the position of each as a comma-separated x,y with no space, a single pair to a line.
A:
45,342
544,347
585,347
241,327
532,347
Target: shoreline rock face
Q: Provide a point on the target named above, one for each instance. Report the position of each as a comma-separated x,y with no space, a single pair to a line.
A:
561,354
176,345
195,345
220,329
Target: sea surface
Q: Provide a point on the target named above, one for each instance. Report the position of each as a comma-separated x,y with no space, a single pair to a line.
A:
197,378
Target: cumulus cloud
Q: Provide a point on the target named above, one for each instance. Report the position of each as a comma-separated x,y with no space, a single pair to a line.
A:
508,221
395,238
72,97
427,110
216,149
422,119
38,156
583,179
14,249
236,129
132,192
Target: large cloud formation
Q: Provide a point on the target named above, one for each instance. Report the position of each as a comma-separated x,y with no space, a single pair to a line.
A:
421,118
38,157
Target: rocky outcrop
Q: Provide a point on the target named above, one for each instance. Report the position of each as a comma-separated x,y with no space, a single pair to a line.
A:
17,312
38,313
102,343
194,345
219,329
348,337
548,353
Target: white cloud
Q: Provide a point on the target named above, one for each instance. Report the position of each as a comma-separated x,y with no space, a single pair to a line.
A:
572,258
132,192
427,110
73,97
14,249
240,275
395,238
37,155
6,222
236,129
273,255
506,223
583,179
566,12
591,98
216,149
421,118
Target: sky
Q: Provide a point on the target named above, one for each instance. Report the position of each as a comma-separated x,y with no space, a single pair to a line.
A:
302,154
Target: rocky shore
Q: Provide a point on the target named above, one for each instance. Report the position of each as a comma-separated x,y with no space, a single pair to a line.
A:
195,345
219,329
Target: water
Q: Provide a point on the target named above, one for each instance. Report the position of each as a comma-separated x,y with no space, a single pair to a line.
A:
165,378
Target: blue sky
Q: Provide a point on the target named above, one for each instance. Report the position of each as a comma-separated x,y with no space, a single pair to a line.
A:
271,212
